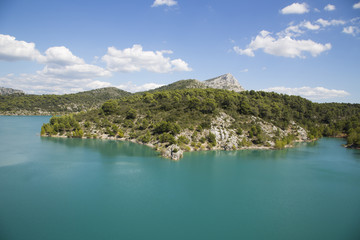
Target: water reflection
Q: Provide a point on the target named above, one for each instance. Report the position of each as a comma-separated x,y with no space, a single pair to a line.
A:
356,154
255,154
107,148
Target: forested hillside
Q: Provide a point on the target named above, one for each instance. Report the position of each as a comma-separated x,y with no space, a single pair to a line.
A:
51,104
194,119
182,84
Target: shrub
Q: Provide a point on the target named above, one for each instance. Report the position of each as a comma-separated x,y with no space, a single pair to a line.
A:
280,144
167,138
211,139
145,138
120,133
131,114
183,139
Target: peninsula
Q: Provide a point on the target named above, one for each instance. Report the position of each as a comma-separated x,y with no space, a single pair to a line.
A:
190,115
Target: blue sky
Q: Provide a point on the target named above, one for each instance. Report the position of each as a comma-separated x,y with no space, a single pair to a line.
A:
307,48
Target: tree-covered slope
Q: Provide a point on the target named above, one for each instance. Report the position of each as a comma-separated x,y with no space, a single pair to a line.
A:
50,104
193,119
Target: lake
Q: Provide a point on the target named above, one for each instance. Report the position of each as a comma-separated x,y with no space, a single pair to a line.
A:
53,188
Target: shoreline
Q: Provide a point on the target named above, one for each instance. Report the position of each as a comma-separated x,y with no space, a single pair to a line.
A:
176,157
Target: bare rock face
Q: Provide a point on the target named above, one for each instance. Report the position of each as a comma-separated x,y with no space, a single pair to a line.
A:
226,81
9,91
173,152
298,131
226,138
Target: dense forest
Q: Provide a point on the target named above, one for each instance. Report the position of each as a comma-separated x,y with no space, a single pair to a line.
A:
184,118
49,104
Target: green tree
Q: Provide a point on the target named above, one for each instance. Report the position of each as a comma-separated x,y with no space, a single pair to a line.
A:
167,138
131,114
211,139
110,107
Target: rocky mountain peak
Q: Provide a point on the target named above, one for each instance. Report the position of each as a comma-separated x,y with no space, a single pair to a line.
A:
9,91
226,81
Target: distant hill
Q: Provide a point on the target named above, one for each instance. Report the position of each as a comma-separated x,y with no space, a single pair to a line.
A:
103,94
182,84
9,91
50,104
226,81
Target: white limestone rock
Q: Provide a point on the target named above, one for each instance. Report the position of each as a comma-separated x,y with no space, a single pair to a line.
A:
226,81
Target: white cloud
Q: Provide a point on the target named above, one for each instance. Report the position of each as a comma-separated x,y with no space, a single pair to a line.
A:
75,71
244,70
179,65
60,56
63,72
310,26
282,46
61,63
168,3
295,8
135,59
352,30
291,31
316,93
44,84
130,87
326,23
98,84
12,49
329,7
297,30
356,5
249,52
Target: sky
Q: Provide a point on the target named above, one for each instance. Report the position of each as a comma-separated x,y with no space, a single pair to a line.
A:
305,48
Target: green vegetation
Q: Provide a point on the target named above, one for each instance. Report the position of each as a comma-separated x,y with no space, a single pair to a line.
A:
182,84
68,103
184,117
353,138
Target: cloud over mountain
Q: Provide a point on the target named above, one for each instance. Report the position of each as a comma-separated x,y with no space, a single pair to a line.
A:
316,93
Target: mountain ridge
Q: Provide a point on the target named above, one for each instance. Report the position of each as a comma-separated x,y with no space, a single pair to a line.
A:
225,81
28,104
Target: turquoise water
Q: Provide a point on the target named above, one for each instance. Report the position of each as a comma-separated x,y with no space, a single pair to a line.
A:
92,189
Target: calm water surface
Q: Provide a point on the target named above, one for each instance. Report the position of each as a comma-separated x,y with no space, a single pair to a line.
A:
92,189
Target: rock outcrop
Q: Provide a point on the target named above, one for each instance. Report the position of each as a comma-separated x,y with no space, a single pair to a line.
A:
226,138
9,91
226,81
173,152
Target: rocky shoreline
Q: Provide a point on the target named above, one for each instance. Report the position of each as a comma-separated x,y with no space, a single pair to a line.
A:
223,137
170,152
